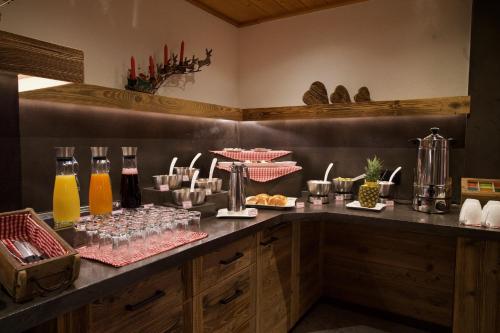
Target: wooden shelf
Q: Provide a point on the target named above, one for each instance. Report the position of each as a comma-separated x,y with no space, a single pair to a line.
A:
414,107
23,55
84,94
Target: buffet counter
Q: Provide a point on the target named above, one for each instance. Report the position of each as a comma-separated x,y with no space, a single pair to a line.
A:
97,280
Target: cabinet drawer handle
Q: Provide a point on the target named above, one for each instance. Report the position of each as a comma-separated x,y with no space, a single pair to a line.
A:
157,295
237,293
268,242
236,256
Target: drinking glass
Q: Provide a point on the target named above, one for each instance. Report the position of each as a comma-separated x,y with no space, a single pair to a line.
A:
120,241
194,219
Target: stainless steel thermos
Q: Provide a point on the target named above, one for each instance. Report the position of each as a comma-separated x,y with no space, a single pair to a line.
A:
237,183
432,183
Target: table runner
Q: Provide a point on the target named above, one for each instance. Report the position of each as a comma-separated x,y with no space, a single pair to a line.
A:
120,259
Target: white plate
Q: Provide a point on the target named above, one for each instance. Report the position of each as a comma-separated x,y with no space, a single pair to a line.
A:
356,205
261,150
290,203
248,213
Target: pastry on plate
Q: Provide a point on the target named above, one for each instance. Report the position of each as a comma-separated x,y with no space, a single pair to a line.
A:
252,200
277,200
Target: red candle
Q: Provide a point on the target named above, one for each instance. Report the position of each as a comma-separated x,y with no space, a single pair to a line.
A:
165,55
151,66
181,57
132,68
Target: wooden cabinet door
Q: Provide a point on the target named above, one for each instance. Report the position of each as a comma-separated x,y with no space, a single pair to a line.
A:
274,271
152,305
228,306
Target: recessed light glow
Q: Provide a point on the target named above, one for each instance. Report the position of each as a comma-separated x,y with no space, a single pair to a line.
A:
27,83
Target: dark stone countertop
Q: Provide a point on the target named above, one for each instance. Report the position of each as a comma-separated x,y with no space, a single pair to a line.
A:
97,280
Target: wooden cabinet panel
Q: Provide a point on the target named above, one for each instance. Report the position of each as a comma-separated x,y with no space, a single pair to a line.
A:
309,280
477,287
401,272
152,305
225,261
274,287
227,306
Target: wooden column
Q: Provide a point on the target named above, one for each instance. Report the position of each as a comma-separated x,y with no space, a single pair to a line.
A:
10,147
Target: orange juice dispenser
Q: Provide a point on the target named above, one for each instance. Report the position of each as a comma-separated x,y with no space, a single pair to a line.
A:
66,199
100,194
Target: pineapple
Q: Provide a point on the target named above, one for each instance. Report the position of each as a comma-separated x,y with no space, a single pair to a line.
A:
368,192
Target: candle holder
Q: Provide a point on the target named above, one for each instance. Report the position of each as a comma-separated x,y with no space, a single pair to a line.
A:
159,75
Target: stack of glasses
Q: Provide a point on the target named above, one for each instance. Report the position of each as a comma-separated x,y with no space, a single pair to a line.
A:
137,230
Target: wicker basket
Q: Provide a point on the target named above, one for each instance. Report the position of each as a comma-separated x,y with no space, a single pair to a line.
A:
23,281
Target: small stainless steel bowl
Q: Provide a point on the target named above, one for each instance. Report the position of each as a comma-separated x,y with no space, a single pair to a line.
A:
319,187
186,171
386,188
342,186
157,181
174,181
184,194
215,185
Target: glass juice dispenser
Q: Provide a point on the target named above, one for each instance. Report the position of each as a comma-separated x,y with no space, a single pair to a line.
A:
129,190
100,194
66,199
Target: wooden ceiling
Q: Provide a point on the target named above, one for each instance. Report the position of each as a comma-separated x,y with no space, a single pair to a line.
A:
247,12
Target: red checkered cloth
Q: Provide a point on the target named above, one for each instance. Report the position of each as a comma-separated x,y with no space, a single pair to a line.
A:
263,174
249,155
133,254
22,227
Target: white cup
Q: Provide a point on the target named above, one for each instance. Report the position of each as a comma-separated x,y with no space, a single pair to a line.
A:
470,214
491,214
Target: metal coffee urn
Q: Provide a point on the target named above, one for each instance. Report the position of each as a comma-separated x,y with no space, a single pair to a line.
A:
432,183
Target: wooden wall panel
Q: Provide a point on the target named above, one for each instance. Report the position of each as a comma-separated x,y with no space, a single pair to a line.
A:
23,55
405,273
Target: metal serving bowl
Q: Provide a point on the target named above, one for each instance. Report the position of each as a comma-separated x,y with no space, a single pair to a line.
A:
157,182
215,185
319,187
174,181
342,186
386,188
184,194
186,171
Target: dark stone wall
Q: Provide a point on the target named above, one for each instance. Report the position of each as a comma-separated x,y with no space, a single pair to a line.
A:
348,142
159,138
483,127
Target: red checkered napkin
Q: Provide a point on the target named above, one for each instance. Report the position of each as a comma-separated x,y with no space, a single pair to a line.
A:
115,259
263,174
249,155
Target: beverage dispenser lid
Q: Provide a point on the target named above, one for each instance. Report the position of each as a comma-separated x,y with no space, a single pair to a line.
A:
129,151
64,152
99,151
434,140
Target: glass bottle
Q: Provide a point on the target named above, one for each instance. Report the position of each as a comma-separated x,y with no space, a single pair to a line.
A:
100,194
129,189
66,199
